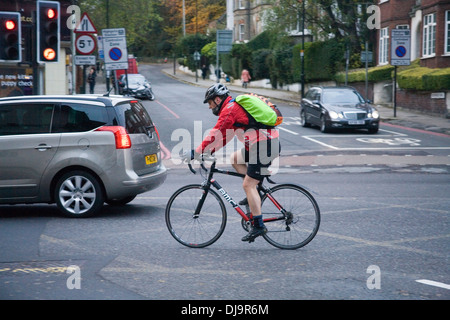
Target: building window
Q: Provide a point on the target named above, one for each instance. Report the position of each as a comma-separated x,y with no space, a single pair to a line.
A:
241,4
241,32
384,46
402,26
447,32
429,35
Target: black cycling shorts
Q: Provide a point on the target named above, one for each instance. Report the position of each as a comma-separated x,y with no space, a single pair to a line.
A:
260,156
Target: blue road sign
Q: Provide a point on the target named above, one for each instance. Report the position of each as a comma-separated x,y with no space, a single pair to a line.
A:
115,54
400,51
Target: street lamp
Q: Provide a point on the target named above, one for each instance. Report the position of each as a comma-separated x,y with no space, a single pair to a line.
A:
302,52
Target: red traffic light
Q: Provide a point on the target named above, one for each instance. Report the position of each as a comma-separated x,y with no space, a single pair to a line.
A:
10,25
51,13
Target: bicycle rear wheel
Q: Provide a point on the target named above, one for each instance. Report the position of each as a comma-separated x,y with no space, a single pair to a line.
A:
195,230
302,220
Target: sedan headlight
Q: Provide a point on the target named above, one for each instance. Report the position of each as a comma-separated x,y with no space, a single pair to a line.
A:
333,115
374,114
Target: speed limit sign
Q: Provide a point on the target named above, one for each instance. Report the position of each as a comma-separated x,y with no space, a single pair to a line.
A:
85,44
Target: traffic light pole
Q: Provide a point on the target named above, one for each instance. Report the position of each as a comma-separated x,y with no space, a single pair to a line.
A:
35,65
74,68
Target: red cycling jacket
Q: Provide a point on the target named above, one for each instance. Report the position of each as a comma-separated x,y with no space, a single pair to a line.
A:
232,122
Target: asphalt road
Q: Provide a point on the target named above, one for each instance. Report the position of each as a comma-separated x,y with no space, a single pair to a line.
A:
384,233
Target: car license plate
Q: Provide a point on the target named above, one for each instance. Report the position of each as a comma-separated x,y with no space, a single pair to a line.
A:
151,158
356,122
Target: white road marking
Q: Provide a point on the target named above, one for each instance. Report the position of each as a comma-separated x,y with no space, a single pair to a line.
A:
434,283
291,132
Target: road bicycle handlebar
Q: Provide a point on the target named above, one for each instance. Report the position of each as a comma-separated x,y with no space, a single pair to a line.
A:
202,158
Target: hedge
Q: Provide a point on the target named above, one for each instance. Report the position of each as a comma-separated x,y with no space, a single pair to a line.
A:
424,79
374,74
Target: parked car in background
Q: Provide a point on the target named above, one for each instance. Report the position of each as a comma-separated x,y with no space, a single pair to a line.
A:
77,151
138,86
337,108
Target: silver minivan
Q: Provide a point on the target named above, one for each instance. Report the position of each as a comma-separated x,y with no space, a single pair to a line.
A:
77,151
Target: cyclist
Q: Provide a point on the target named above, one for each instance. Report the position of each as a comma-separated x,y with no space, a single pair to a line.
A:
261,147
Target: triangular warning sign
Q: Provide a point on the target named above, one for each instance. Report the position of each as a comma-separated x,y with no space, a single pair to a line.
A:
85,25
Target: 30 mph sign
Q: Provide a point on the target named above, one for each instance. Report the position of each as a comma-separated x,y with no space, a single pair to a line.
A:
85,44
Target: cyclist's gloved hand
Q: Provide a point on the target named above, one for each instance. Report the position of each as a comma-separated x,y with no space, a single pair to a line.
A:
190,155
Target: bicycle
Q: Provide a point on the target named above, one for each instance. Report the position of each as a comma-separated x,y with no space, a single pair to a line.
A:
196,215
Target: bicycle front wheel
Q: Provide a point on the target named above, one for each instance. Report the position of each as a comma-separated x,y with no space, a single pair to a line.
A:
192,223
301,221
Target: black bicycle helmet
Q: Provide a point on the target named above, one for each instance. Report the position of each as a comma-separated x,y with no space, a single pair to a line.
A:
215,90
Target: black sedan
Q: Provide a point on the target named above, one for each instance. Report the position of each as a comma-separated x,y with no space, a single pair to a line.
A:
338,108
137,87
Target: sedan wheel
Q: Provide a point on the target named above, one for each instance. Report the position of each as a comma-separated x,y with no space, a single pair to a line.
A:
150,95
78,194
303,119
323,125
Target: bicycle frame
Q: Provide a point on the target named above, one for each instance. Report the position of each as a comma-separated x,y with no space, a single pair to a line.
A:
211,181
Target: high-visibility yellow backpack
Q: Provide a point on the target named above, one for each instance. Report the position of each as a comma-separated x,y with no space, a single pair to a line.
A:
263,112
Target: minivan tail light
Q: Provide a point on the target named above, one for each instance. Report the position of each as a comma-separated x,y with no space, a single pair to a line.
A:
157,133
121,136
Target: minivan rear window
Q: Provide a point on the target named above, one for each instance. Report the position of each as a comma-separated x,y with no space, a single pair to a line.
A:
134,117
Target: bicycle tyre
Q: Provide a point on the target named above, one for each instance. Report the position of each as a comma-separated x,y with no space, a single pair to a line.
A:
190,230
304,222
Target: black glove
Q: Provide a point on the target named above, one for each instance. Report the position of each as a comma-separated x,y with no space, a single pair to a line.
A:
190,155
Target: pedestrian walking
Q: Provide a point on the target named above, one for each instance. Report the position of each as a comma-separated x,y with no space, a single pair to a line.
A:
245,78
91,79
204,70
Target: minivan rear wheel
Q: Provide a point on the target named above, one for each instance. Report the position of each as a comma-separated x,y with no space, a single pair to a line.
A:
78,194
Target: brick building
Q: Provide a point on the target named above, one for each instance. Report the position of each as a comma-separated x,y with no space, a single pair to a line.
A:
429,22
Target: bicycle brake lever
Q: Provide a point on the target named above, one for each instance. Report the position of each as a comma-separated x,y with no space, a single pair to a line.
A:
191,168
270,180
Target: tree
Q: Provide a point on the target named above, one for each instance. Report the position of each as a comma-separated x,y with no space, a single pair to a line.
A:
153,27
344,20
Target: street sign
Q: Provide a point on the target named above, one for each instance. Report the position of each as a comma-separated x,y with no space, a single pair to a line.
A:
400,47
84,60
366,58
101,54
85,25
224,40
115,49
85,44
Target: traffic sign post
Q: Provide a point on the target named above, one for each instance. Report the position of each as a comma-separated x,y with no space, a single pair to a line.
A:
115,49
85,25
224,42
400,47
197,60
85,44
400,55
84,60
